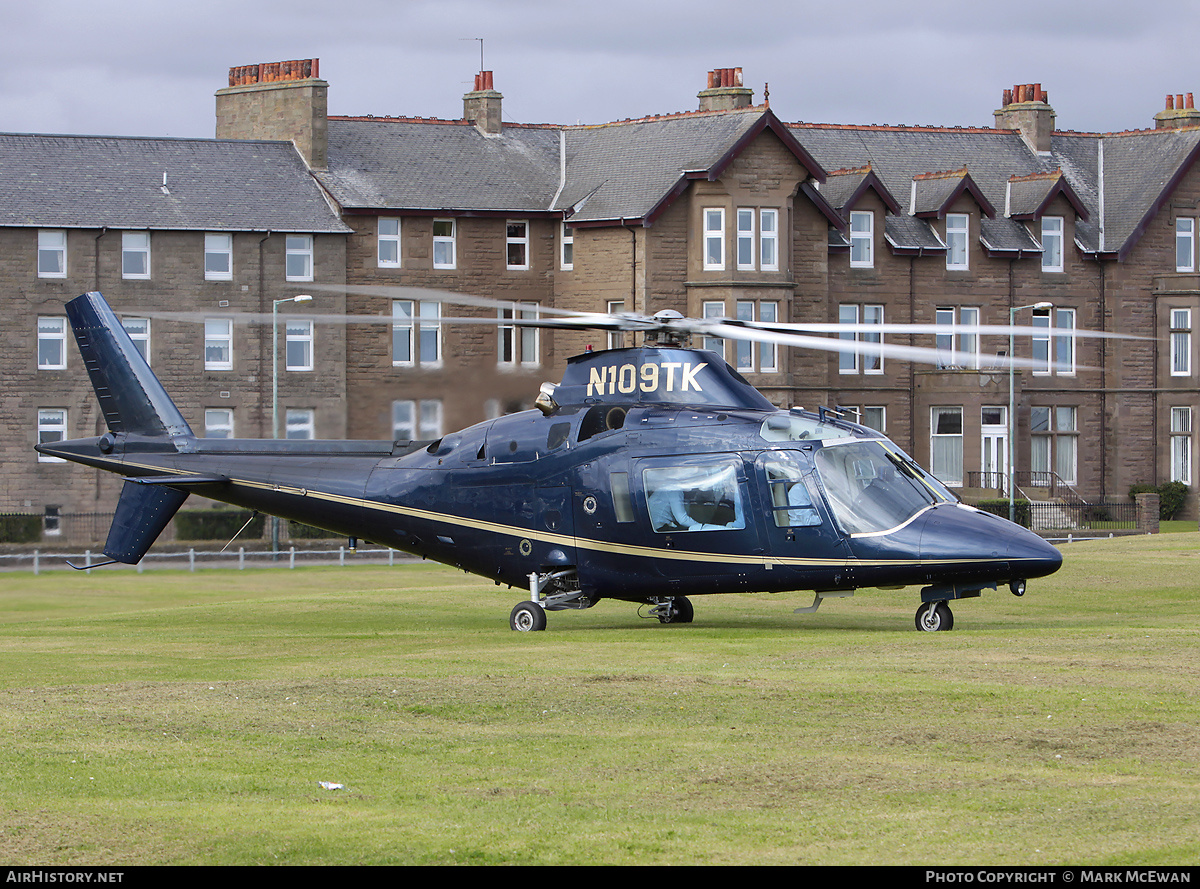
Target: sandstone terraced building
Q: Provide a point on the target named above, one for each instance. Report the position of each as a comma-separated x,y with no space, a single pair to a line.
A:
722,211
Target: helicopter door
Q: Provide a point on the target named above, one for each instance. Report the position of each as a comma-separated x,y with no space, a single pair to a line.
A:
798,525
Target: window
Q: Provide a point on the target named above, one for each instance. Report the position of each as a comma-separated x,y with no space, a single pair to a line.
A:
516,245
750,357
792,504
616,338
1054,350
52,427
713,310
863,358
745,239
301,423
1181,342
388,243
218,257
957,229
298,345
946,445
518,344
1052,244
218,344
52,254
1181,445
714,239
1185,244
139,331
567,245
957,348
52,343
135,254
862,240
874,418
218,423
416,420
768,240
298,258
694,498
443,244
1053,444
416,339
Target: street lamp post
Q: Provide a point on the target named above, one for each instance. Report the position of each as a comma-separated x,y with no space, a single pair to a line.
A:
1012,407
302,298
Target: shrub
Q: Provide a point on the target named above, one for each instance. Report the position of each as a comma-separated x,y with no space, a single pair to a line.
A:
1171,496
20,528
217,524
999,506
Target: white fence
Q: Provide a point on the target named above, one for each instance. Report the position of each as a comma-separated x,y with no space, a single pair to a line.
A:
192,559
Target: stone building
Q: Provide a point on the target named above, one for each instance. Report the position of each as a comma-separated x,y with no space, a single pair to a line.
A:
721,211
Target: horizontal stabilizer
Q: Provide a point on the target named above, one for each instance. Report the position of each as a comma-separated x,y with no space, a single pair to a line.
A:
182,481
142,513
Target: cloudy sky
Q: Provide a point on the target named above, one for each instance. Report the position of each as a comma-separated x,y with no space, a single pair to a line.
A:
150,67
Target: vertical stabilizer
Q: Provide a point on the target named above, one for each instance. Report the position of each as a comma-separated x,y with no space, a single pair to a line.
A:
130,396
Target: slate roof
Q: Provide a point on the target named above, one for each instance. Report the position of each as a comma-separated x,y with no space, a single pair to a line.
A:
212,185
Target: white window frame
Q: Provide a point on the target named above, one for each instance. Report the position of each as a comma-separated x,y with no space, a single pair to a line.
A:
958,241
51,428
298,344
51,343
1054,351
218,256
298,259
746,231
1181,444
388,254
876,413
862,361
445,250
942,448
1054,441
52,245
1185,244
616,338
566,248
516,245
862,239
300,423
421,419
135,255
416,333
768,240
710,310
139,331
1181,342
518,345
714,238
218,334
960,348
751,357
218,422
1052,244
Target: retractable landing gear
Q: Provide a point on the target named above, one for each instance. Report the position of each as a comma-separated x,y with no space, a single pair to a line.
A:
554,591
934,616
671,609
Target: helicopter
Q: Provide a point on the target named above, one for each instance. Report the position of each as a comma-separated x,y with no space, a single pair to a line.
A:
649,474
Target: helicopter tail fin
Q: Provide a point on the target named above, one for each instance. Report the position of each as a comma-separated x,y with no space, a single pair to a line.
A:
133,402
130,395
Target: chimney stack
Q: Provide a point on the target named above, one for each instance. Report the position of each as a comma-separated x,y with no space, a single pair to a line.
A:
1180,112
725,91
481,106
1026,108
285,101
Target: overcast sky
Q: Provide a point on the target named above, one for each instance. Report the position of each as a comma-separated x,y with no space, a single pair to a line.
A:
151,67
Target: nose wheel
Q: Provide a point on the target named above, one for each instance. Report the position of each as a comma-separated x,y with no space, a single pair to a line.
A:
934,616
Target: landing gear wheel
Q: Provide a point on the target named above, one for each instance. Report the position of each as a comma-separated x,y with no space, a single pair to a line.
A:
934,616
527,617
680,611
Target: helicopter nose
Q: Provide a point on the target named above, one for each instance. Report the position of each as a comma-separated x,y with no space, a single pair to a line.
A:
1030,555
962,534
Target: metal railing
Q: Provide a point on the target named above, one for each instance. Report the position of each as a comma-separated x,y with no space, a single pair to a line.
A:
193,559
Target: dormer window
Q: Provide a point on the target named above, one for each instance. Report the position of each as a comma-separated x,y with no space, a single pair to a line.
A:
1052,244
957,228
862,240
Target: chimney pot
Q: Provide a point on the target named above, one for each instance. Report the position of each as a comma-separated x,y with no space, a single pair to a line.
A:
1189,100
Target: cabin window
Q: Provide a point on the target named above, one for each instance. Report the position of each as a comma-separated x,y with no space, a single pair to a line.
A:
694,498
792,502
622,501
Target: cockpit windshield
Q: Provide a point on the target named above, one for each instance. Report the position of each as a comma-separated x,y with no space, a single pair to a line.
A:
871,488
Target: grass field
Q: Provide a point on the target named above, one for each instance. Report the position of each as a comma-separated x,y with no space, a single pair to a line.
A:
176,718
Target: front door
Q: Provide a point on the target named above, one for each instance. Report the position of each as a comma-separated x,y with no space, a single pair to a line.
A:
994,460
